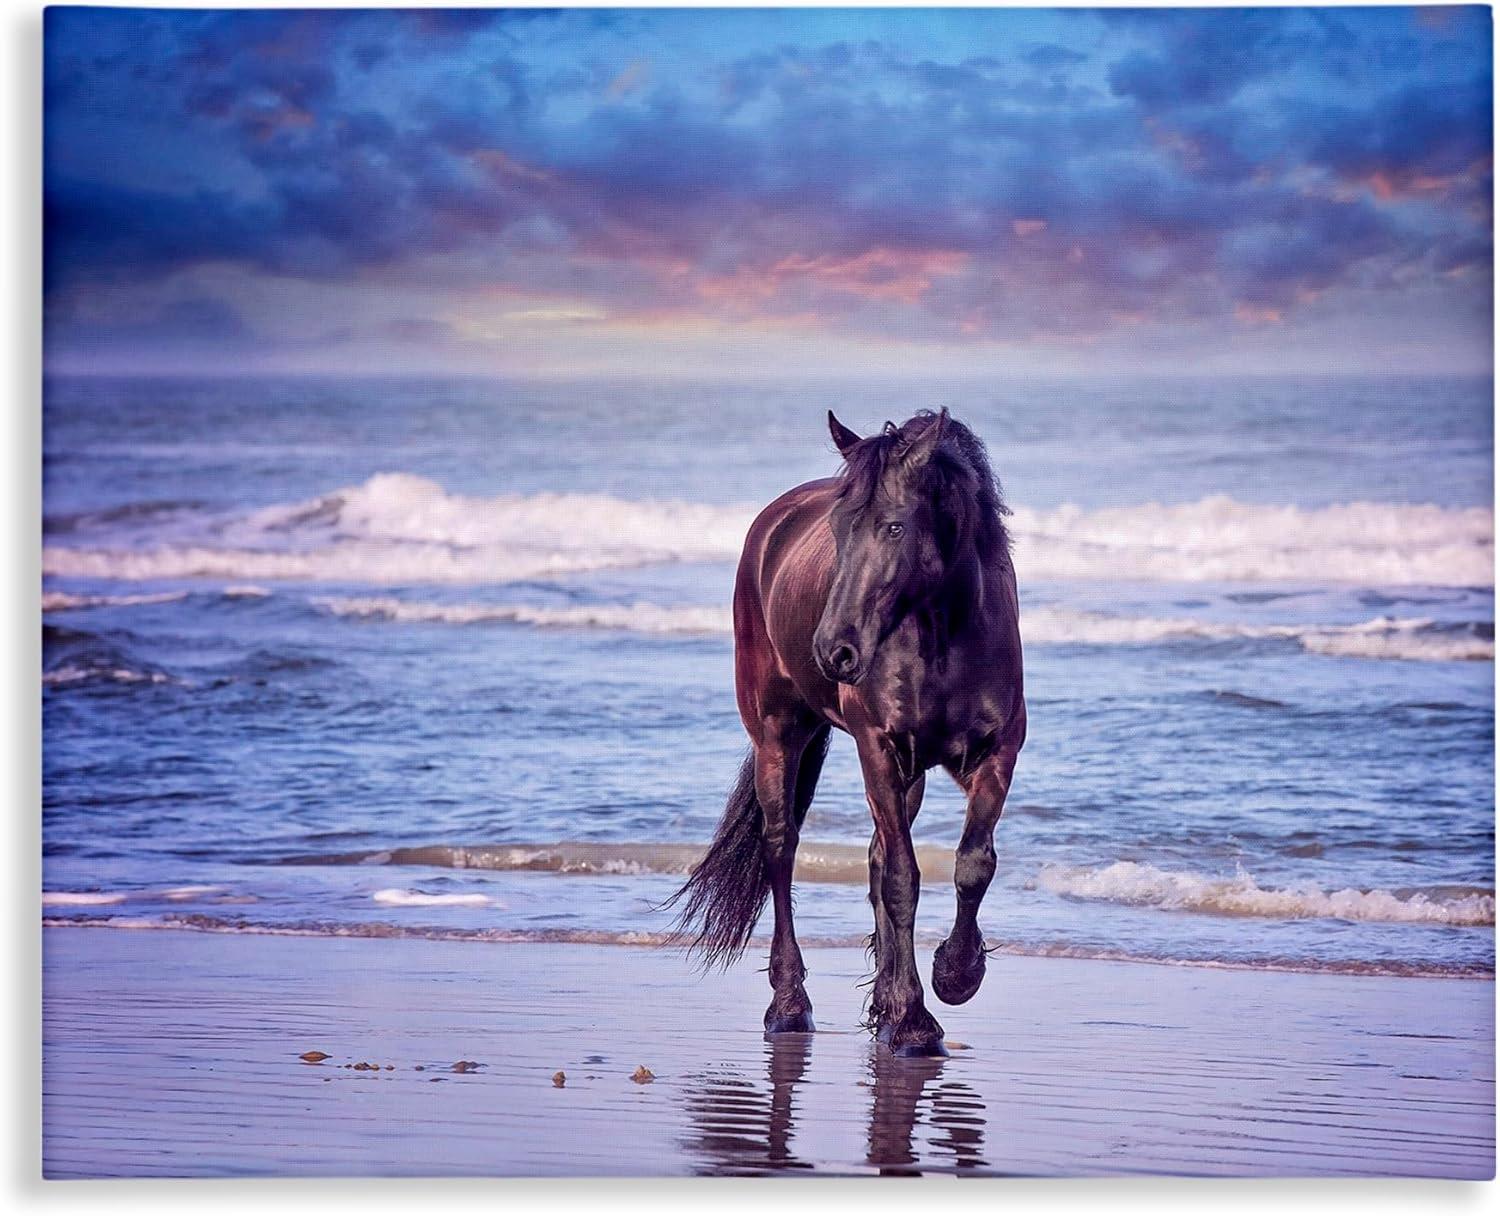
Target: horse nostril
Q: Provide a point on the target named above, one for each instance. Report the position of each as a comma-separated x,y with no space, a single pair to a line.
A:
843,659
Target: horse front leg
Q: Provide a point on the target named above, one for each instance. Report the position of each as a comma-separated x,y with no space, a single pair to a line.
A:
881,940
778,761
903,1021
958,963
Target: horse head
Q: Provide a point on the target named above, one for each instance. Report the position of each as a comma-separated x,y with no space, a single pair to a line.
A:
905,512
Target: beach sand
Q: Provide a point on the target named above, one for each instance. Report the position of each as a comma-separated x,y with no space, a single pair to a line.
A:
175,1053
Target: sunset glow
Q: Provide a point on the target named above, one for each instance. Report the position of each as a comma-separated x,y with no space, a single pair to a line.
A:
815,191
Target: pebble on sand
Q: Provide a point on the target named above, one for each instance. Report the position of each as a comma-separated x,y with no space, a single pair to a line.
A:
559,1078
642,1075
465,1065
313,1057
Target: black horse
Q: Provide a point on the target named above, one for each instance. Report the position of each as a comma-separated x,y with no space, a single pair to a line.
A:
883,602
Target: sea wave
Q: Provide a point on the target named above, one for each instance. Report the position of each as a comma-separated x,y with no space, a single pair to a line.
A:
1414,638
1142,885
71,673
400,897
63,601
1220,539
399,528
636,617
1123,882
82,898
202,923
831,863
177,895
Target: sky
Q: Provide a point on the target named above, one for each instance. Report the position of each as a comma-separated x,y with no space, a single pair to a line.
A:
754,192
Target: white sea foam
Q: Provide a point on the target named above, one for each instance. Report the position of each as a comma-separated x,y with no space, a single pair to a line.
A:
1416,638
186,894
62,601
199,923
69,674
81,898
1219,539
638,617
1143,885
1395,645
398,528
399,897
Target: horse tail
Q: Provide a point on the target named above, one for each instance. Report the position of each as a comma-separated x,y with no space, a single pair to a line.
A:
727,890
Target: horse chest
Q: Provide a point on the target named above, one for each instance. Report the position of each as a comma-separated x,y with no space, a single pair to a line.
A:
925,719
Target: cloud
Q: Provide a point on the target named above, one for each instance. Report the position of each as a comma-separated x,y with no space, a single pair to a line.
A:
1059,176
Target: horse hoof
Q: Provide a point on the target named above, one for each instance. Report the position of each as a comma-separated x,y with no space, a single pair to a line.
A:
789,1023
955,985
921,1049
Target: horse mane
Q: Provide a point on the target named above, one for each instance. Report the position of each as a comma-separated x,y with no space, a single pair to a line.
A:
958,474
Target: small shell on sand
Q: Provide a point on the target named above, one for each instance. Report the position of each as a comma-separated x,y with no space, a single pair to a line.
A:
313,1057
559,1078
643,1075
465,1065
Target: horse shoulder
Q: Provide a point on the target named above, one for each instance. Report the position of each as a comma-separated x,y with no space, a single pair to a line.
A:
779,591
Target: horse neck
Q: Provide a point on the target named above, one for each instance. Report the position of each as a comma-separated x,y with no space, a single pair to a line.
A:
958,601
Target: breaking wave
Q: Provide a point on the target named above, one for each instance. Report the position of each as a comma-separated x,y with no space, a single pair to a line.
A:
1142,885
1419,638
1219,539
400,897
400,528
69,673
1124,882
637,617
1416,638
62,601
81,898
832,863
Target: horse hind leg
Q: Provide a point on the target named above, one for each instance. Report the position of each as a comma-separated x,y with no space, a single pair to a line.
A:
958,964
788,763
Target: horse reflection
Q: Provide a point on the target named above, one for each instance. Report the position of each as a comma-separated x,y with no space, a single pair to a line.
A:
742,1129
902,1089
745,1126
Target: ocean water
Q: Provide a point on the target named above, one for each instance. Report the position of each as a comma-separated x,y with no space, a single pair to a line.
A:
453,658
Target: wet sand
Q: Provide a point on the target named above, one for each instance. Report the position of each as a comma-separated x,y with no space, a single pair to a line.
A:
172,1053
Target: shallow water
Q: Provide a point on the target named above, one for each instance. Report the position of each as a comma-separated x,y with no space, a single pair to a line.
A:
181,1055
324,655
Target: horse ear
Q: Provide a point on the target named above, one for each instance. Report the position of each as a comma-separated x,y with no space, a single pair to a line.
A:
843,437
920,449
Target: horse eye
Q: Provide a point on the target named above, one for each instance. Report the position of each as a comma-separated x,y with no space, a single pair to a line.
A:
894,530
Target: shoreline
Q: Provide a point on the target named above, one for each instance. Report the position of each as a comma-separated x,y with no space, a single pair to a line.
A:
661,942
176,1053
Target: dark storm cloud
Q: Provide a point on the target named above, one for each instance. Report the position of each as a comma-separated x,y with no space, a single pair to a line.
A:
1142,163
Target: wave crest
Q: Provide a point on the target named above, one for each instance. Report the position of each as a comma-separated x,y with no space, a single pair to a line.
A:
401,528
1417,638
637,617
1139,884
